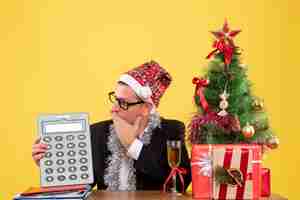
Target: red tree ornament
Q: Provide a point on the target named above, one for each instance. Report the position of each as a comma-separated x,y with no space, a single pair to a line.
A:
248,131
224,43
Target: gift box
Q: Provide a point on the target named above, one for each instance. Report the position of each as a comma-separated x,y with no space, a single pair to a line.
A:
265,182
226,171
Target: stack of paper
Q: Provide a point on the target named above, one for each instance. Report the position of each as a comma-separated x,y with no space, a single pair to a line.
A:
55,193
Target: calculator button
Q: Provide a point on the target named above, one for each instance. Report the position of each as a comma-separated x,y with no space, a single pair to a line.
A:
84,176
61,178
73,177
61,170
82,144
49,171
60,162
84,168
49,146
83,160
71,145
48,162
82,152
48,154
70,137
59,146
81,137
49,178
58,138
47,139
72,161
59,154
71,153
72,169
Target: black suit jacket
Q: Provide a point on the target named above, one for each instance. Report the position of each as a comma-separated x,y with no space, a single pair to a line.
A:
152,167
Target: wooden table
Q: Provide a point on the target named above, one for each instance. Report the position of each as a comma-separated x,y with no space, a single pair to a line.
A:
151,195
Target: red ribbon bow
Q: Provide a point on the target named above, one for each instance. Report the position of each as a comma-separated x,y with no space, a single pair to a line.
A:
176,170
200,84
224,47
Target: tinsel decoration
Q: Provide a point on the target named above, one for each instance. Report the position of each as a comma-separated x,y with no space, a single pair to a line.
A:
228,124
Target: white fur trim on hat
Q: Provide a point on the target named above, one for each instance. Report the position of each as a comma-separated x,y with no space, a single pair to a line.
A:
144,92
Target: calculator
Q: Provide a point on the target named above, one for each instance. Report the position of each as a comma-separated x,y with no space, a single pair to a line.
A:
68,159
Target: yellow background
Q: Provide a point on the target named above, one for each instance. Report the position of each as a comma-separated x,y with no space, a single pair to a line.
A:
64,56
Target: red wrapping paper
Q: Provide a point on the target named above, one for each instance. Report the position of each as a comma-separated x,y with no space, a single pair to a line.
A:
246,158
265,182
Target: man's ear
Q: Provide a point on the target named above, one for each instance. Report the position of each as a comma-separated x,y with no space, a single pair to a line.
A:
147,108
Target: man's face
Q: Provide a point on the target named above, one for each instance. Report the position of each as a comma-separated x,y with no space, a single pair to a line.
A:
125,93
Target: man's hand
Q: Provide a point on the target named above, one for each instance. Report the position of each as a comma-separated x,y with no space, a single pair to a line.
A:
126,132
38,151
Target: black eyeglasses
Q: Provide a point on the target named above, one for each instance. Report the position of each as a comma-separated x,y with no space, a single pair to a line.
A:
121,102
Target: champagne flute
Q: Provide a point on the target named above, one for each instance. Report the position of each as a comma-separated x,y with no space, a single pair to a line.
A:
174,158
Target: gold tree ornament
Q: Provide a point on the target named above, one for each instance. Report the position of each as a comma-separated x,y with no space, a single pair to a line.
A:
248,131
243,66
273,142
258,104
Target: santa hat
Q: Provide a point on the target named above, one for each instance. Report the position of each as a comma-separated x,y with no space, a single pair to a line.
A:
149,81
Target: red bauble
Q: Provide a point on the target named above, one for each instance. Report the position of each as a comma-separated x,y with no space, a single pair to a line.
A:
248,131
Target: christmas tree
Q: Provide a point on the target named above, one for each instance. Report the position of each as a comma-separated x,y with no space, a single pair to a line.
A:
228,112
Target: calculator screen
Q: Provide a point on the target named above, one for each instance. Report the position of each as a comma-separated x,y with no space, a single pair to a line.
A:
64,127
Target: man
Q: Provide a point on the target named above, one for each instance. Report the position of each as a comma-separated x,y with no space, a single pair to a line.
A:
130,151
